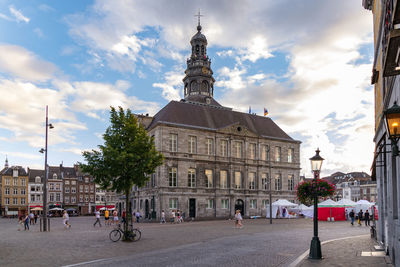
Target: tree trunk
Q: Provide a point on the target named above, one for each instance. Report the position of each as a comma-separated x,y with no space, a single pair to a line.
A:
126,224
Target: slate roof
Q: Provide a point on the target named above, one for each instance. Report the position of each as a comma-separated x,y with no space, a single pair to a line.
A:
213,118
9,171
33,173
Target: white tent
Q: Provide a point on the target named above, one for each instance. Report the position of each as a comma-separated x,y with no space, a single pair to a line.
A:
304,210
363,205
328,203
278,206
346,202
55,209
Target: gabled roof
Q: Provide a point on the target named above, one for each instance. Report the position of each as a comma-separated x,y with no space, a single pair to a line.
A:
33,173
214,118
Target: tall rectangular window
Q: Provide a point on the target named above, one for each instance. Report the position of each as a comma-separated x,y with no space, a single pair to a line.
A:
66,199
51,197
192,178
264,152
278,182
238,180
172,177
237,149
224,148
252,180
173,203
265,181
23,191
73,199
223,179
173,142
8,181
73,189
210,146
58,197
15,181
51,186
224,203
32,198
209,178
15,201
7,200
290,154
277,154
210,204
7,191
23,201
290,182
23,182
265,203
15,191
192,144
253,203
252,151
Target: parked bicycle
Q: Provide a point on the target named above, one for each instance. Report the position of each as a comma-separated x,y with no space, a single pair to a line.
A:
133,234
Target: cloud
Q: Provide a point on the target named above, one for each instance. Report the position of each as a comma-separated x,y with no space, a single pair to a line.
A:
18,15
21,63
92,98
38,32
172,87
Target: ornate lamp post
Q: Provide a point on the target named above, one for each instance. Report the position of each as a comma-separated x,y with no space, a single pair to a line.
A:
46,173
392,119
315,248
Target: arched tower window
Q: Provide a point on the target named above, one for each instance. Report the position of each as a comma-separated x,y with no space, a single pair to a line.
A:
194,87
186,89
202,50
204,86
197,50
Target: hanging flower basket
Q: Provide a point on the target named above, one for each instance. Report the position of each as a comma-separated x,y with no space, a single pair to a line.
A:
307,190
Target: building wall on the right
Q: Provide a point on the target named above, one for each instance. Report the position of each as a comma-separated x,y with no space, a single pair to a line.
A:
385,78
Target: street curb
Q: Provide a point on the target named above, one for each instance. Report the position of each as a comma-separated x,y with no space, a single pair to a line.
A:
304,255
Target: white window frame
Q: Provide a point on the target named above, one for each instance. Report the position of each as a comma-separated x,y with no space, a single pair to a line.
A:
173,177
252,180
210,146
252,151
237,149
173,203
265,181
210,204
192,144
253,203
223,179
209,178
224,203
238,180
290,182
278,153
290,155
192,178
224,148
278,182
173,142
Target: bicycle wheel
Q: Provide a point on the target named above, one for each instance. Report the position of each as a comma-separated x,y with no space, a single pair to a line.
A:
135,235
115,235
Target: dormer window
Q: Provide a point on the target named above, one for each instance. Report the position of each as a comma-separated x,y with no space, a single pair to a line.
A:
37,179
15,172
55,176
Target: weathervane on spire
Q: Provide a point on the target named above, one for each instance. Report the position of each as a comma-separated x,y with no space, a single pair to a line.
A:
198,16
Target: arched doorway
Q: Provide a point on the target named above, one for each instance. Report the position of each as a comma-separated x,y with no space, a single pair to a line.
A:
239,205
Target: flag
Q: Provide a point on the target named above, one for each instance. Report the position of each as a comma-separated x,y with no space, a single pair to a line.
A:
265,112
249,109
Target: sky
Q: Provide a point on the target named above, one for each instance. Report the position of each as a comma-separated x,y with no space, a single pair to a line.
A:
308,62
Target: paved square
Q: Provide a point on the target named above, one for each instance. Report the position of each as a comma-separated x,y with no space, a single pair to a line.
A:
205,243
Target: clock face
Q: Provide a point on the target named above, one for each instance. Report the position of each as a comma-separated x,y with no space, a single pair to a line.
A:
204,70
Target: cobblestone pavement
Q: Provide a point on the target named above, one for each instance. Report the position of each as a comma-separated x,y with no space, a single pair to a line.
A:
206,243
347,252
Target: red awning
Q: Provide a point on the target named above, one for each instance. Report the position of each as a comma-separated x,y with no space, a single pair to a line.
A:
35,206
102,206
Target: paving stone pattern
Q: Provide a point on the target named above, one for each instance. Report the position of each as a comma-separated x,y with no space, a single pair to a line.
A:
205,243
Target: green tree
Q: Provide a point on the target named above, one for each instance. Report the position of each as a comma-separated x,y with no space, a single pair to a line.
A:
128,156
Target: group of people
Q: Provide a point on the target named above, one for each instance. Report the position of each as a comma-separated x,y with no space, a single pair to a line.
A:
360,216
107,219
27,219
176,216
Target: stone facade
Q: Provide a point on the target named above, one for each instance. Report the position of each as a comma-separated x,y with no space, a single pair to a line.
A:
216,160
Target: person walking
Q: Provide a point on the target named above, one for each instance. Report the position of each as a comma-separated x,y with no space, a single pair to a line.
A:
31,218
97,215
366,218
106,217
123,216
115,217
137,216
351,214
238,219
66,220
173,216
36,216
162,220
360,216
20,222
26,221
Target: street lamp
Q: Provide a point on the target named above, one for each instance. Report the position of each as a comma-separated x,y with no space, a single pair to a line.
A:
315,248
44,150
392,119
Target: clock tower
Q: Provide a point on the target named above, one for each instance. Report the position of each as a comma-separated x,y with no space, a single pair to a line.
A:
198,81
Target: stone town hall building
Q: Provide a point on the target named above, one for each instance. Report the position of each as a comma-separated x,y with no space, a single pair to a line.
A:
216,159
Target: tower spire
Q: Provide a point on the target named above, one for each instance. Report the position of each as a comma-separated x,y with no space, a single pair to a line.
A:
6,163
198,17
